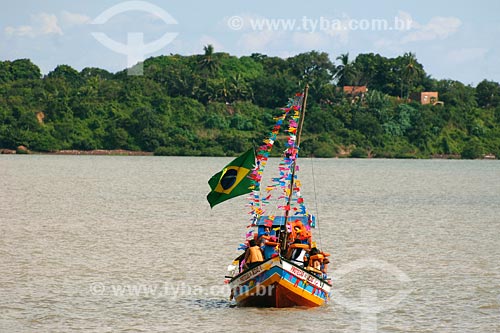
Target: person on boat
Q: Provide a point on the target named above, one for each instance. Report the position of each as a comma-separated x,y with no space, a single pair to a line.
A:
299,232
294,232
315,261
240,262
297,252
253,255
324,265
264,235
270,245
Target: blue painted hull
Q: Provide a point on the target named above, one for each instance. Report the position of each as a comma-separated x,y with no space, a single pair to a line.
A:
279,283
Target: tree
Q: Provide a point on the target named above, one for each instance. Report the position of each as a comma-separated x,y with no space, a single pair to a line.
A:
67,73
147,128
457,94
217,104
410,73
5,73
313,68
238,88
367,67
345,72
24,69
488,93
209,62
473,149
91,72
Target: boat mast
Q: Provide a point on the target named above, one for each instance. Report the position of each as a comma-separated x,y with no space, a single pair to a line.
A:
294,164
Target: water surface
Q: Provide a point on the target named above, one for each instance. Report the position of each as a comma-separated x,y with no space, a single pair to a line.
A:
110,244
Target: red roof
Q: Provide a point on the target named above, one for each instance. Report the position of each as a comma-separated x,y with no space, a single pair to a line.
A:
355,90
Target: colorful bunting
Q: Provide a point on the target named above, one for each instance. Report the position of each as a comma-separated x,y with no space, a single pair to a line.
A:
257,200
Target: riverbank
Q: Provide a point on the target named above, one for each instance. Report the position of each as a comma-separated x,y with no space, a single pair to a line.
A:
113,152
21,150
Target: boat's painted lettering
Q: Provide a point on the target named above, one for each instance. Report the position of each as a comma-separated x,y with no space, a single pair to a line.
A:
248,275
297,272
244,277
256,270
303,275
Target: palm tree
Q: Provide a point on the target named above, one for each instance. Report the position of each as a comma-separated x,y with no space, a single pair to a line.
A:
239,88
345,72
222,91
411,71
209,62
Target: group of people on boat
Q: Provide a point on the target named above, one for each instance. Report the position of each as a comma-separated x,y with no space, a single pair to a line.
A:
299,248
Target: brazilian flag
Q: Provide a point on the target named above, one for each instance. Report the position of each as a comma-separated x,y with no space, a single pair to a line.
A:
232,181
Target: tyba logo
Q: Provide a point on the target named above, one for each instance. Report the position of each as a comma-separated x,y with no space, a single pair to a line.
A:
135,49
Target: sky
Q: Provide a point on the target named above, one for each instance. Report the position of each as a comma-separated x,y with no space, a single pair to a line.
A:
452,40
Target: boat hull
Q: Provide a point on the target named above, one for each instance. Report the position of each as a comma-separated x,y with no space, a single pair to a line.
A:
279,283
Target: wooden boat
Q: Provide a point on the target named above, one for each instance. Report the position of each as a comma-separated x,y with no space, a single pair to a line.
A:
291,270
280,282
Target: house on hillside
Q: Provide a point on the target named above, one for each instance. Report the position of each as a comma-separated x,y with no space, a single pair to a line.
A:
355,91
429,97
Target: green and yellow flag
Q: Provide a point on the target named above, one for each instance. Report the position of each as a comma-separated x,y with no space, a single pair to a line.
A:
232,181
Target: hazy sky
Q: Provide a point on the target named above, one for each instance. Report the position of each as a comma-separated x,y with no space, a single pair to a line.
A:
453,40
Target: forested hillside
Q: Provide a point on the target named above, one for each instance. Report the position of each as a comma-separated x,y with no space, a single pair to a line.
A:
216,104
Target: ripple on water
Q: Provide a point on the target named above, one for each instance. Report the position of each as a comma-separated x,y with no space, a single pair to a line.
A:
73,224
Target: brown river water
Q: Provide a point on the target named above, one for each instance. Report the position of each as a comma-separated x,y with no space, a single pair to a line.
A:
129,244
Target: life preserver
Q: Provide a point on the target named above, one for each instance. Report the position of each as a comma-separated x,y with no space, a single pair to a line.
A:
315,262
298,231
294,246
318,257
254,255
298,245
268,240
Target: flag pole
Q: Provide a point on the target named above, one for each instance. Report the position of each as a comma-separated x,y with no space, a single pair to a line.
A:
297,144
302,116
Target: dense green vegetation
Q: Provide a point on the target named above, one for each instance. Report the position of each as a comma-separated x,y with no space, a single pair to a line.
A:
217,104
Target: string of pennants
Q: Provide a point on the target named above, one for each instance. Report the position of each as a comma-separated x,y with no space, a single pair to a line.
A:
257,202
